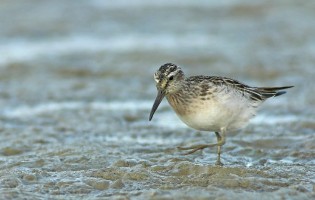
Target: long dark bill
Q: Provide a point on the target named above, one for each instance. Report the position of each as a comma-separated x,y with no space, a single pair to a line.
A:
157,102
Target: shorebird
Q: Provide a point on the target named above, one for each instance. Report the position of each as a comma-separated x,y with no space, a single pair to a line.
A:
209,103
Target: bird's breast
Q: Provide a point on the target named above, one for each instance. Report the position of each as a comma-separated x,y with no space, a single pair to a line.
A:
196,113
210,114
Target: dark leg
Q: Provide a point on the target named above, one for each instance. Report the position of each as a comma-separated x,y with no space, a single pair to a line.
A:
220,142
196,148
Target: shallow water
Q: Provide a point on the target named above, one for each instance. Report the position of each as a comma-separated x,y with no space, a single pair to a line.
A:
76,89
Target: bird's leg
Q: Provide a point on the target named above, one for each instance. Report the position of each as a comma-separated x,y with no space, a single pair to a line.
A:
219,144
196,148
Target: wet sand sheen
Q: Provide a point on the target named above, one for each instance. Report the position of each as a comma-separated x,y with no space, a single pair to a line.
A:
114,163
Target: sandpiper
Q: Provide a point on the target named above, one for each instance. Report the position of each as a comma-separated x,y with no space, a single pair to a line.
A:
209,103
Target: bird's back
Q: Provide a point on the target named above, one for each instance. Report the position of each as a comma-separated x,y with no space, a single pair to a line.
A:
223,83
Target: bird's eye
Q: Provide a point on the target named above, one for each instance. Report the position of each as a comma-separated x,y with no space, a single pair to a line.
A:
171,78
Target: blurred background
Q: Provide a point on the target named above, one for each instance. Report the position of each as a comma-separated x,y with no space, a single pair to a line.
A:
76,88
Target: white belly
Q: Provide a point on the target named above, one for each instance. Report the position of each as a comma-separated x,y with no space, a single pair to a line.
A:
209,115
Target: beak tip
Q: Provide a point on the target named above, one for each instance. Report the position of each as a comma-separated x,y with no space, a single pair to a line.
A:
156,104
150,117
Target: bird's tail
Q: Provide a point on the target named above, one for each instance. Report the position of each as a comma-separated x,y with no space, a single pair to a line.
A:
268,92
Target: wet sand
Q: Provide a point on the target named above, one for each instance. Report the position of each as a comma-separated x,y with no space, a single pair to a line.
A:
76,88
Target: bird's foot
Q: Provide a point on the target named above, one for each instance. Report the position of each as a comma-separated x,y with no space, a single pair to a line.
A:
195,148
219,163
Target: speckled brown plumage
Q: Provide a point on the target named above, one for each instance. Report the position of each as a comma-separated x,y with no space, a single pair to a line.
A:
210,103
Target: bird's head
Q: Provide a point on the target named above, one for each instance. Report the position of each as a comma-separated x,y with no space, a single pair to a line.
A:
168,80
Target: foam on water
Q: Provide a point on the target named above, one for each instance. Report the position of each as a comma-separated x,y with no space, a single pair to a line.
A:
152,139
275,119
161,119
25,111
15,50
164,119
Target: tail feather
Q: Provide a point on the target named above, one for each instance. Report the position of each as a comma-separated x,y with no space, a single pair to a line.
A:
275,88
267,92
280,93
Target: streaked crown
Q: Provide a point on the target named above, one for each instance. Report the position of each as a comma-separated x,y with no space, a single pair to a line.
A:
168,77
